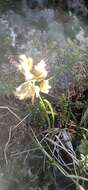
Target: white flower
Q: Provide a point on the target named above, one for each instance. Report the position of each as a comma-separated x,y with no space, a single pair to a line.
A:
39,71
34,79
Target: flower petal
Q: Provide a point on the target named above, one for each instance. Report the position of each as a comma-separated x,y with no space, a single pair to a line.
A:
44,86
23,57
25,65
39,71
37,91
25,90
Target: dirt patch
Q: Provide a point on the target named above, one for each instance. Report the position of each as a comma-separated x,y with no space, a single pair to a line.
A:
11,114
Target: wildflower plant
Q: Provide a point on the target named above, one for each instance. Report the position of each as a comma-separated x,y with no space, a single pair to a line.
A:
35,82
35,79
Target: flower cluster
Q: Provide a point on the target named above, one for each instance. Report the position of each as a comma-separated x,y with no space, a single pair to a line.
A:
35,79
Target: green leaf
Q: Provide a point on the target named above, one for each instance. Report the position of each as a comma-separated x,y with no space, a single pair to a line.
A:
83,148
84,119
51,110
45,111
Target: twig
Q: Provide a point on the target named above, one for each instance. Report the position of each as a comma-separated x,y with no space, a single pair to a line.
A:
25,151
21,121
13,113
6,146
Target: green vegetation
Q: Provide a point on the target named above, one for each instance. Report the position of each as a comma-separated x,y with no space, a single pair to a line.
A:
63,139
55,120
